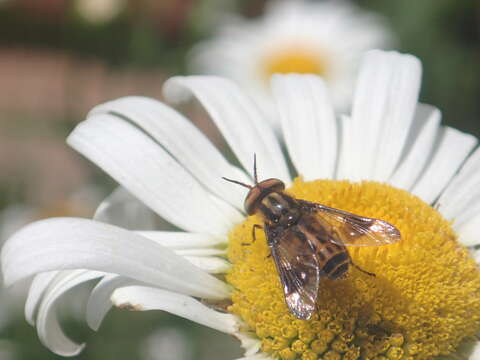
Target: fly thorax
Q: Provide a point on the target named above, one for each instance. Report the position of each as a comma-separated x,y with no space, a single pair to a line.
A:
279,208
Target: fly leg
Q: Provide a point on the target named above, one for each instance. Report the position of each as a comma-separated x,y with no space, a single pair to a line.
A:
359,268
255,226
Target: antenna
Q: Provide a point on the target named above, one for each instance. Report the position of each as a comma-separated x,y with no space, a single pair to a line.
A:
254,175
238,182
255,168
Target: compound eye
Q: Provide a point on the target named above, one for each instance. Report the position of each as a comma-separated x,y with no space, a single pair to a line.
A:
273,184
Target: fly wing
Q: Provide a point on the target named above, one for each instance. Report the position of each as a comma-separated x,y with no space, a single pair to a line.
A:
298,267
353,230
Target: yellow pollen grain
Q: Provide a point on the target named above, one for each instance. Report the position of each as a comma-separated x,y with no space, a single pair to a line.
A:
287,354
309,355
293,59
424,301
319,346
332,355
299,346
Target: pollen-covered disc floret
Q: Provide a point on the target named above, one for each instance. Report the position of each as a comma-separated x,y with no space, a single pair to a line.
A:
423,302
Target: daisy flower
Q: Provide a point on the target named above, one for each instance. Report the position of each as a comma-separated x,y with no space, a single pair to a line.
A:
326,38
389,159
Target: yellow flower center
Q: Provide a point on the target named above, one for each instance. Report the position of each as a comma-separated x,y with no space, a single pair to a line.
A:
423,302
293,59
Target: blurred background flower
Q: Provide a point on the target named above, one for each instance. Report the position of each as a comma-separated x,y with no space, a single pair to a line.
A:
325,38
167,344
99,11
58,59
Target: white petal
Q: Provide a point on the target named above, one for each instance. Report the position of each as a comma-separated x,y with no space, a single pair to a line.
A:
202,252
259,356
468,232
40,287
476,256
169,128
385,99
345,166
250,343
142,298
237,117
72,243
150,174
449,154
178,240
48,327
418,147
99,303
210,264
35,294
475,355
122,209
469,216
308,123
462,195
399,114
196,248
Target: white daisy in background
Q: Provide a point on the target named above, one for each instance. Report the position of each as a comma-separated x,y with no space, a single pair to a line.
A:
326,38
99,11
167,343
402,167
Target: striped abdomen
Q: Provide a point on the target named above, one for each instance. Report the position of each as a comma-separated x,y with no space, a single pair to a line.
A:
333,258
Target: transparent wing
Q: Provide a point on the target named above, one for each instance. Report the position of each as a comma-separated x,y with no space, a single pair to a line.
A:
298,267
353,230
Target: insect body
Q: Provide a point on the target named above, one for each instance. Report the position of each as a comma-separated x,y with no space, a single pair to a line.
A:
308,240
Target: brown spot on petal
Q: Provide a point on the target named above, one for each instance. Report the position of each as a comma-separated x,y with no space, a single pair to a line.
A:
130,307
